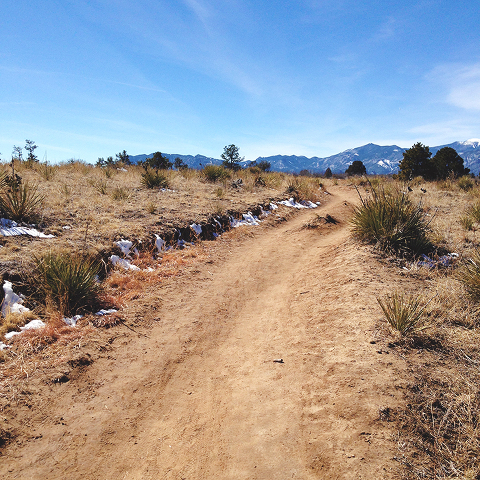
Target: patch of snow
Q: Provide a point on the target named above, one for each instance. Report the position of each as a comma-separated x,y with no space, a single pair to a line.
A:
196,228
159,243
182,243
33,325
248,219
66,227
9,228
3,346
72,322
472,141
273,206
106,312
125,264
12,302
125,246
292,203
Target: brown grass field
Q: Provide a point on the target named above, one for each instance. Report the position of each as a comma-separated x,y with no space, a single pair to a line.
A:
433,426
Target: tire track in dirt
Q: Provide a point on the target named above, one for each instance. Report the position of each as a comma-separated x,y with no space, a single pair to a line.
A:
202,398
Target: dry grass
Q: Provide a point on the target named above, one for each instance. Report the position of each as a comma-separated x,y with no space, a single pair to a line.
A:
438,430
439,427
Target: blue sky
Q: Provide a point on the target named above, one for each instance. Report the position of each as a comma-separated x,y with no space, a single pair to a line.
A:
88,79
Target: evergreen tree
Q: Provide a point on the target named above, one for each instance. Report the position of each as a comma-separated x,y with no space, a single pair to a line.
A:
231,157
448,162
264,165
179,164
356,168
158,162
328,173
123,157
30,148
417,162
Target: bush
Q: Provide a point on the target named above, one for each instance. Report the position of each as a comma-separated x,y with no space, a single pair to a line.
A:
465,183
403,313
474,212
392,222
151,179
67,281
469,275
20,201
120,193
212,173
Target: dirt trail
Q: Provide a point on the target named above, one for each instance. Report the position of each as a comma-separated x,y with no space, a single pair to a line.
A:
199,396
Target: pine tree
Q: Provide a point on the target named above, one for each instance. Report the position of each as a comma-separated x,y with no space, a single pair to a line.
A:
417,162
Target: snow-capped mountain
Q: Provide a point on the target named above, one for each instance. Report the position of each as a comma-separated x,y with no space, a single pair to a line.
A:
376,158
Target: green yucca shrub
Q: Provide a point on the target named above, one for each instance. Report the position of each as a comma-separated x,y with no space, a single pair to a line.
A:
390,220
466,183
212,173
469,275
474,211
404,313
68,281
154,179
20,201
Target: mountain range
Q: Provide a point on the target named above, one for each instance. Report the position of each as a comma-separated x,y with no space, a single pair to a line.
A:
376,158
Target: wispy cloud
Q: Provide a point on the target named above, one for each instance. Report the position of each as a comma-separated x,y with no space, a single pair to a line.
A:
436,133
462,84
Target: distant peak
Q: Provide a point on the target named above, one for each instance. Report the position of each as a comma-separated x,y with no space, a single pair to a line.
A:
471,141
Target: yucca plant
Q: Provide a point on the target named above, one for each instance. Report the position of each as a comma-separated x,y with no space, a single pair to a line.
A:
474,212
120,193
46,171
393,222
20,201
67,280
469,275
404,313
154,179
212,173
466,183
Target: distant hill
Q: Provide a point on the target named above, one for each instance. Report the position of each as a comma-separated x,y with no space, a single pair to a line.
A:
376,158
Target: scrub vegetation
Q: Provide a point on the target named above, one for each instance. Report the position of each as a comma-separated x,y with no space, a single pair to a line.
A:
427,231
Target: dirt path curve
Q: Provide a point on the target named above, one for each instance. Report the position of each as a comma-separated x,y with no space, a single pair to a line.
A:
199,396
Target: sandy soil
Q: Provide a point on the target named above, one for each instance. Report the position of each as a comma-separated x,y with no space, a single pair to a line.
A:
195,391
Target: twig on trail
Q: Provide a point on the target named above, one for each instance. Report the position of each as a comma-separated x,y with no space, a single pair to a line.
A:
122,321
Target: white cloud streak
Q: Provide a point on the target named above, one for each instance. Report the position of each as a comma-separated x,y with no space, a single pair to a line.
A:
462,83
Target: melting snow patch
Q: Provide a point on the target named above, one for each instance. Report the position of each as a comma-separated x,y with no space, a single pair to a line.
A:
125,264
196,228
3,346
106,312
125,246
159,243
248,219
33,325
72,322
12,302
9,228
292,203
273,206
443,261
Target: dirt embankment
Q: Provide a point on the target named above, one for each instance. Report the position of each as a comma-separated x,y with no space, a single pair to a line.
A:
258,364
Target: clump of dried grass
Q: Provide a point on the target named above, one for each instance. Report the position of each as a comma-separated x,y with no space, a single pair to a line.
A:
443,424
404,313
66,280
13,321
389,219
304,189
